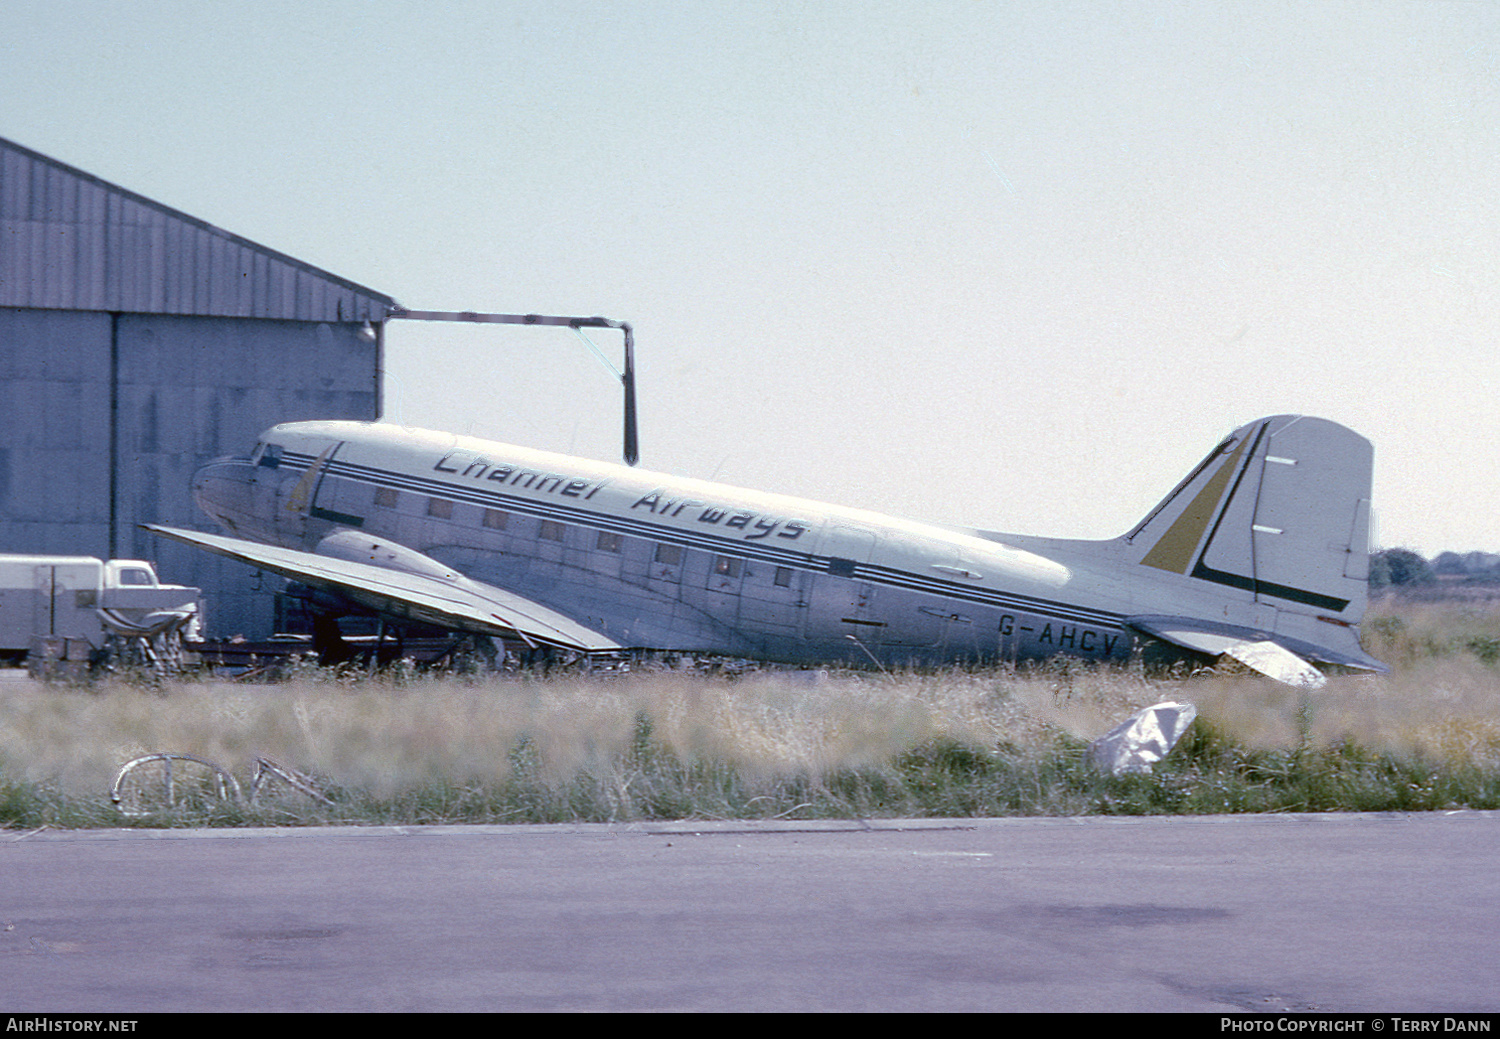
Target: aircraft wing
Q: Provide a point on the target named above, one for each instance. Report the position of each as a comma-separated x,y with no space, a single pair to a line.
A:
445,600
1281,658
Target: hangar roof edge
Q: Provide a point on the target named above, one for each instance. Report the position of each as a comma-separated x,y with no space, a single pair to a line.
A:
43,270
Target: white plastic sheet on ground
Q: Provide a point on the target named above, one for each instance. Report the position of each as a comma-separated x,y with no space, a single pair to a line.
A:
1143,739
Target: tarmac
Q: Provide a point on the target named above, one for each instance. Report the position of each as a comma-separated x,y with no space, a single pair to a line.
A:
1277,914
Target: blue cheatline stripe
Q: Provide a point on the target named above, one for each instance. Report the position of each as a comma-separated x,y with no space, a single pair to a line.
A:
886,576
766,553
1002,600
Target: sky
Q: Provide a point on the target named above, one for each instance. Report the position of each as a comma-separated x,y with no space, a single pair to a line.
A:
1014,265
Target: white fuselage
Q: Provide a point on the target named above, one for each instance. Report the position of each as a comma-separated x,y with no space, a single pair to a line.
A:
1260,553
663,562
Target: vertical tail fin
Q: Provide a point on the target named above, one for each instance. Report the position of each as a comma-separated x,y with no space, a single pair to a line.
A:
1279,511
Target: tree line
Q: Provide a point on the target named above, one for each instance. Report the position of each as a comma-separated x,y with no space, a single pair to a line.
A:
1402,567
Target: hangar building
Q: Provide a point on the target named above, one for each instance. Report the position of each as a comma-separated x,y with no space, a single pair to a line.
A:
137,343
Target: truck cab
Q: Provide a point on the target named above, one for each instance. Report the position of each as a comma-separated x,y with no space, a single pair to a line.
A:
77,603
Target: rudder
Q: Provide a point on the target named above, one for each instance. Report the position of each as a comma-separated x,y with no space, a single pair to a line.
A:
1280,510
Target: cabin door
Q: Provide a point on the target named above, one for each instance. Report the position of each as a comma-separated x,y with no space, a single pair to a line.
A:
839,595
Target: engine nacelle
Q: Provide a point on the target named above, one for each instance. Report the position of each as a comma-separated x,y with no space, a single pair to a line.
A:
359,547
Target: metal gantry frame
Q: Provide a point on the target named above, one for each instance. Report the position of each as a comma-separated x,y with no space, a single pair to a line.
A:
632,449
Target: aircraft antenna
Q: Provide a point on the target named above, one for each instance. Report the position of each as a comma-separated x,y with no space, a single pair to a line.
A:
632,450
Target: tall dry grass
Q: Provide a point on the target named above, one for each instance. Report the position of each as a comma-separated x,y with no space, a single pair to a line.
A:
667,744
384,737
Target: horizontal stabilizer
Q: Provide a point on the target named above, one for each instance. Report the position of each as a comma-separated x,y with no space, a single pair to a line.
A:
1274,662
439,597
1276,656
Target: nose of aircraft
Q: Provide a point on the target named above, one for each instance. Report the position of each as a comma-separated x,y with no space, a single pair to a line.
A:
223,489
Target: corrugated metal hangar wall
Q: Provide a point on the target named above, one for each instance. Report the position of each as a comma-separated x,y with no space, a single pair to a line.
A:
137,343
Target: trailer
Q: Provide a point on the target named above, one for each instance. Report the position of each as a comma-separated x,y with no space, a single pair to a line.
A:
65,615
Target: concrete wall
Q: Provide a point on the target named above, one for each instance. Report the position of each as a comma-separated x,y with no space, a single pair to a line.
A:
185,390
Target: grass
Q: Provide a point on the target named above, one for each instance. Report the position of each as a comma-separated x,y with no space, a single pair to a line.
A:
771,745
1405,634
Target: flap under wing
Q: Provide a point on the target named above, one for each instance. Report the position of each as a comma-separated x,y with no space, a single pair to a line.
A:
459,603
1276,656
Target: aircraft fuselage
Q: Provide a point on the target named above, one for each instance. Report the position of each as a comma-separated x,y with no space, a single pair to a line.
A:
663,562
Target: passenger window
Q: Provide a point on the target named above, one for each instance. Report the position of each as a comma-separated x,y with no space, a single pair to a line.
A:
551,530
669,554
387,497
726,566
440,508
609,541
495,519
783,577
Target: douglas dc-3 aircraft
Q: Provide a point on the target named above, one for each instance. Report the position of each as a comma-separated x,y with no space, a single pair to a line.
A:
1260,553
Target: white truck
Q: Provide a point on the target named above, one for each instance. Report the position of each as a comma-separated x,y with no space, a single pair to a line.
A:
63,613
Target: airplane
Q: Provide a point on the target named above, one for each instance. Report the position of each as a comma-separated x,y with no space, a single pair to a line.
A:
1260,554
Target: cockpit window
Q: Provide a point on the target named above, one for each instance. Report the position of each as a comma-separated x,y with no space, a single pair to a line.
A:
135,576
267,456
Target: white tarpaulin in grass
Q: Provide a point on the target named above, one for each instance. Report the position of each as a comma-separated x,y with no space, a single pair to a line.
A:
1143,739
